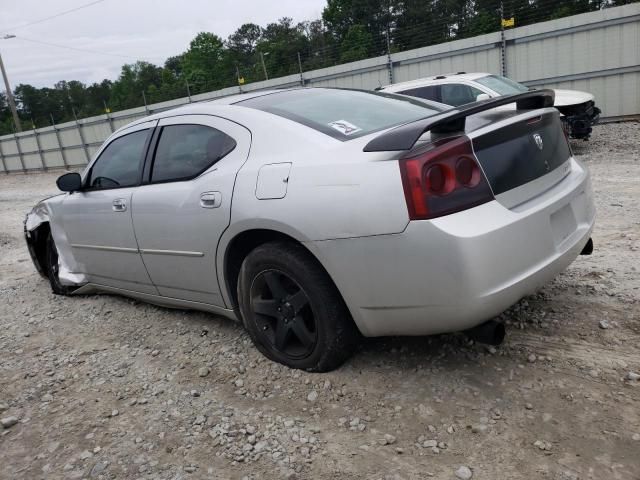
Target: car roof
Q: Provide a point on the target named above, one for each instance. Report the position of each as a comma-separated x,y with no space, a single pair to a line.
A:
435,78
222,105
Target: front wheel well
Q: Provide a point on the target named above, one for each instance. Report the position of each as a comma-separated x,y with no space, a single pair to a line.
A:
38,245
242,245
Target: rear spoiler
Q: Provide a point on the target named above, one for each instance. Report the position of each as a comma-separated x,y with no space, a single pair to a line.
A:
405,136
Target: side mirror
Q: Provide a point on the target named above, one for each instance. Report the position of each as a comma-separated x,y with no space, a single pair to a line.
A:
69,182
482,97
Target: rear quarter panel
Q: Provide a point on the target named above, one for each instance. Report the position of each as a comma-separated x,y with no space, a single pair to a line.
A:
335,190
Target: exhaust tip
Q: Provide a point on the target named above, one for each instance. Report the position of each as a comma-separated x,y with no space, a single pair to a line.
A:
588,248
490,333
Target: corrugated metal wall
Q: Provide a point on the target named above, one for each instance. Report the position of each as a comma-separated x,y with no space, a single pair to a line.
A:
598,52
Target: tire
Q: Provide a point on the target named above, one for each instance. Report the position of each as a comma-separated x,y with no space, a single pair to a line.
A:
292,310
52,269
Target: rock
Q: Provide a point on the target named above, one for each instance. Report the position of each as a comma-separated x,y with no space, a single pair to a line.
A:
189,468
531,358
604,324
635,437
8,422
464,473
85,455
528,406
479,428
115,412
313,396
289,423
430,443
155,353
542,445
633,376
203,371
389,439
239,383
98,468
3,407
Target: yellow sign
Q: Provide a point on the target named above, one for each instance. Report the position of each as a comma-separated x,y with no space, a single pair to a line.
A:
509,22
107,110
241,80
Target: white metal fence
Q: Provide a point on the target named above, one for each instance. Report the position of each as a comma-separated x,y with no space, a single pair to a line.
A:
598,52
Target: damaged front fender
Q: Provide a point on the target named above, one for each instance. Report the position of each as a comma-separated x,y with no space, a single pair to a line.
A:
39,224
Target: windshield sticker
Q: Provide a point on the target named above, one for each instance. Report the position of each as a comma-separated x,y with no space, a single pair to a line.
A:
344,127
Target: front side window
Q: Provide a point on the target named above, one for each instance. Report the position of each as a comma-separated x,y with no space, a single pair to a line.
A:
119,163
186,151
458,94
340,113
502,85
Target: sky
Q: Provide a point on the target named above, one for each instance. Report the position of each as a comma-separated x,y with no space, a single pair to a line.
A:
127,30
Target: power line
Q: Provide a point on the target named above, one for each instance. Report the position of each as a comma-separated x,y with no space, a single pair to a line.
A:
85,50
53,16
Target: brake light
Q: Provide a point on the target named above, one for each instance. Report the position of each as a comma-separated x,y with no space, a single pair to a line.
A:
444,180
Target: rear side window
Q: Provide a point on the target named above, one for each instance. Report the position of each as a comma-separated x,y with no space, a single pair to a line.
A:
431,92
185,151
120,162
458,94
341,113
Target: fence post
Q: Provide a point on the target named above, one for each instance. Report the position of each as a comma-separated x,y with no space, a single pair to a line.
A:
144,99
108,114
503,44
300,66
389,61
84,144
55,129
35,133
4,165
188,91
17,140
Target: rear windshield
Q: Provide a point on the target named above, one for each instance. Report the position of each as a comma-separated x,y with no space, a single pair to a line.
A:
502,85
343,114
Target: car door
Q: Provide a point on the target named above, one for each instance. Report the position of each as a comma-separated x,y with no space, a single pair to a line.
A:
185,205
97,220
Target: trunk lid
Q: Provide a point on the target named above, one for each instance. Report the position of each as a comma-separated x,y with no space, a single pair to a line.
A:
522,156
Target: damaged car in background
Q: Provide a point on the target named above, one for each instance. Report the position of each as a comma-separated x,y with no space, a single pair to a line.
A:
578,109
316,215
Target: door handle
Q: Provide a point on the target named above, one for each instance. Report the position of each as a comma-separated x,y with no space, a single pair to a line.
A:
210,199
119,205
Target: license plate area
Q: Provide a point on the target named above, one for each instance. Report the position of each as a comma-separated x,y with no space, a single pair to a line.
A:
563,224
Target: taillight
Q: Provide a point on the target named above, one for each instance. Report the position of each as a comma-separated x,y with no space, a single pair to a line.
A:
443,180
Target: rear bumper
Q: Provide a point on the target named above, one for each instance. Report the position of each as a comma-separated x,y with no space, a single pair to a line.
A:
455,272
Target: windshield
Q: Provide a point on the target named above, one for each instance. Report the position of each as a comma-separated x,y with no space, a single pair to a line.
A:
340,113
502,85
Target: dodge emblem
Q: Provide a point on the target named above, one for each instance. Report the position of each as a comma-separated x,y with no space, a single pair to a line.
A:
538,140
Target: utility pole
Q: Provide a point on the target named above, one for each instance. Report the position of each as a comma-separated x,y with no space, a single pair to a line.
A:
264,68
10,99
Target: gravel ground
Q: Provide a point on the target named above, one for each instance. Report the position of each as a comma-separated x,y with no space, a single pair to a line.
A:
106,387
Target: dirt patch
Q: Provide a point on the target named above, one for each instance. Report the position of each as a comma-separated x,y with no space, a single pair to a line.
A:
106,387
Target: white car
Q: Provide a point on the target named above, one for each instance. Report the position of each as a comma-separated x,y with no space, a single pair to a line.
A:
578,108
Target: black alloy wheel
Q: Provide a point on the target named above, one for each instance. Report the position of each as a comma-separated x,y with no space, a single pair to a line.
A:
292,310
283,314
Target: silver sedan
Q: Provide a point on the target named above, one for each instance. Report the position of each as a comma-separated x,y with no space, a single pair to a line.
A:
317,215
